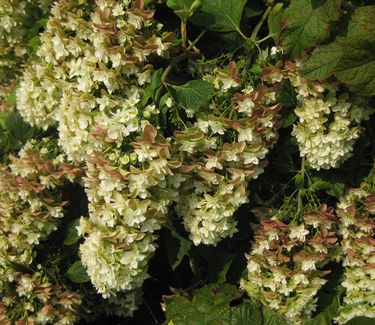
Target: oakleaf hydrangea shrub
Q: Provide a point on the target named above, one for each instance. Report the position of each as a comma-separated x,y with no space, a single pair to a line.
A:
193,149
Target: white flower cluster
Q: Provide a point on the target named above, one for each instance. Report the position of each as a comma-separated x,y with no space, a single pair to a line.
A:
128,200
285,260
30,203
328,124
356,212
222,154
34,300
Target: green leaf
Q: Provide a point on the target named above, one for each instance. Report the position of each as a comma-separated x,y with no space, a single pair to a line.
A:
182,312
213,261
356,67
155,81
331,186
323,61
252,12
289,117
210,305
34,31
184,8
72,234
77,273
12,99
19,131
177,246
219,15
331,309
287,97
245,314
270,317
362,22
337,189
18,267
307,23
34,43
152,88
3,119
194,94
351,58
361,321
274,21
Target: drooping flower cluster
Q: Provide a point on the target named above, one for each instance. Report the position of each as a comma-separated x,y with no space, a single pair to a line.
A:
33,299
128,200
30,202
356,212
328,124
223,151
284,266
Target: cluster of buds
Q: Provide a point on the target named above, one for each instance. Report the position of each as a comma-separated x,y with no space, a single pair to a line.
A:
356,212
34,300
30,202
285,263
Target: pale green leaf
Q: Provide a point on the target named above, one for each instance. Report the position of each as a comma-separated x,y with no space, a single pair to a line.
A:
72,234
184,8
194,94
12,99
77,273
177,246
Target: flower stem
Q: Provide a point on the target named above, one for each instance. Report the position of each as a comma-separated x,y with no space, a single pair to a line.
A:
254,35
183,32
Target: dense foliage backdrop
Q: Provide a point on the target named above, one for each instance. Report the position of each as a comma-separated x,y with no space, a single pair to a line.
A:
187,162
